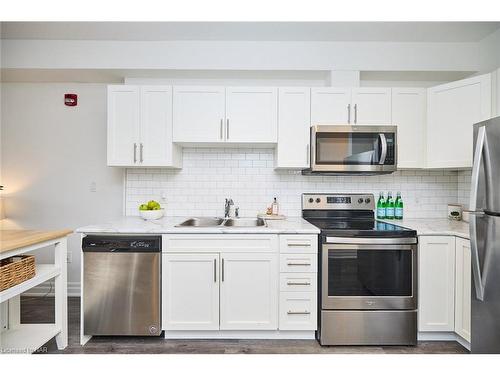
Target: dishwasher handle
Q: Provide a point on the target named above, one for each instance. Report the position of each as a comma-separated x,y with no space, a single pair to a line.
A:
121,244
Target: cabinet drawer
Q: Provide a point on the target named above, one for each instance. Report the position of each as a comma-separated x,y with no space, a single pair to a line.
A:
298,263
298,282
297,311
298,243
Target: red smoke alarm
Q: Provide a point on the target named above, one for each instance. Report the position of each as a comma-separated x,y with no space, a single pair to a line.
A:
70,99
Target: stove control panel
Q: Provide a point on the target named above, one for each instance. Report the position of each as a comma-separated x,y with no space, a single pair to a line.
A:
337,201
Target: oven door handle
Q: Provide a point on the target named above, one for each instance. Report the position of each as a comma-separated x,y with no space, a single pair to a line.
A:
383,148
374,247
370,241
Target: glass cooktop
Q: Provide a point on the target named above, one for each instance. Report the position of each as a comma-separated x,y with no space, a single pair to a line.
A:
360,228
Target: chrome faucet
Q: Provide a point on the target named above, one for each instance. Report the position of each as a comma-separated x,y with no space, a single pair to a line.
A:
227,207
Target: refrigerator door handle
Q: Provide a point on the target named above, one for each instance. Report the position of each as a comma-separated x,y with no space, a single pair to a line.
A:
476,267
478,156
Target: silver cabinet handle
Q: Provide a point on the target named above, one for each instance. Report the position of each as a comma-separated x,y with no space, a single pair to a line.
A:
215,270
295,283
299,245
227,128
135,152
349,113
355,113
221,129
140,153
298,264
298,312
222,269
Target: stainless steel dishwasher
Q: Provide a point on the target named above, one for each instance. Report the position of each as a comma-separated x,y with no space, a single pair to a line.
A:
121,285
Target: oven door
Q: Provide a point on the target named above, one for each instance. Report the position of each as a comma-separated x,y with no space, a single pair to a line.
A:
369,274
353,148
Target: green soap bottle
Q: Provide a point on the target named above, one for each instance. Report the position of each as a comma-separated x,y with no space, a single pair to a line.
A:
398,209
389,206
381,206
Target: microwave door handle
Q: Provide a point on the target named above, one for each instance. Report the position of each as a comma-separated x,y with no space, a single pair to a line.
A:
383,154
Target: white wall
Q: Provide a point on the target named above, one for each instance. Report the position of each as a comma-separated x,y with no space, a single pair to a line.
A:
240,55
51,154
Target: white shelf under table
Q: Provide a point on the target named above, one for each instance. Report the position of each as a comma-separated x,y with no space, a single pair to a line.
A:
43,272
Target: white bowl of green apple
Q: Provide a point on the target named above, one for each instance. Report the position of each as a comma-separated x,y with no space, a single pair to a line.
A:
151,211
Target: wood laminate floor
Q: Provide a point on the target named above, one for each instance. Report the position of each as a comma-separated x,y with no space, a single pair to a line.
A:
41,310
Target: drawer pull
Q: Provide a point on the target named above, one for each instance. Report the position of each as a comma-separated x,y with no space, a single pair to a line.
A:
299,245
293,283
298,312
298,264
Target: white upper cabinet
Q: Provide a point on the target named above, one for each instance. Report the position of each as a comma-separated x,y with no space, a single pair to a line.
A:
371,106
344,106
452,110
463,288
251,114
156,147
294,118
249,291
140,127
331,106
436,291
199,114
408,114
123,125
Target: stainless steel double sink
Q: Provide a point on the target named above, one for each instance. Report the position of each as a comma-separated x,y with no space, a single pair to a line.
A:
221,222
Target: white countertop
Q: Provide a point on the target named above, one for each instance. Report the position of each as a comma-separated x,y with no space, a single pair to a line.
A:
135,224
435,227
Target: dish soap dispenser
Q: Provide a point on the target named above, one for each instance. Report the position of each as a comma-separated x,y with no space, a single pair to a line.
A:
275,207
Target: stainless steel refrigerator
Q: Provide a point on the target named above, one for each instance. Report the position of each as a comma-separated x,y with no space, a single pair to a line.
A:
485,238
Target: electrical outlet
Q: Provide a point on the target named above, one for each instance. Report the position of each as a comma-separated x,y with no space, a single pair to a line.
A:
93,187
69,257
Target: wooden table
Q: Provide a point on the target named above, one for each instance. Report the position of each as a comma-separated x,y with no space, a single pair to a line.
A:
27,338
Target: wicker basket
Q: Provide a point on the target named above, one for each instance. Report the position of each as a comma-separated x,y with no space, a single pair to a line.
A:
15,270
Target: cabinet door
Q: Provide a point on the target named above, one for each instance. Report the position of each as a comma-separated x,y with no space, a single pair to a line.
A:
156,147
294,118
249,291
251,114
199,113
372,106
190,290
331,106
463,288
408,114
123,125
452,110
436,283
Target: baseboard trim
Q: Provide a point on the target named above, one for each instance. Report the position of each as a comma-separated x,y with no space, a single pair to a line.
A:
242,335
443,336
45,289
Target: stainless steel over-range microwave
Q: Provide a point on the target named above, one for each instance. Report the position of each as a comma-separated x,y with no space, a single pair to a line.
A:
359,149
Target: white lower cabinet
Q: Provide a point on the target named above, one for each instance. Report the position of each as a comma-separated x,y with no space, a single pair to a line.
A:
190,284
298,311
445,285
298,282
249,291
232,283
436,283
463,288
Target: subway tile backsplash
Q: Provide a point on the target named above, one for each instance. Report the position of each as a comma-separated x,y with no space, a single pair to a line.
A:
248,177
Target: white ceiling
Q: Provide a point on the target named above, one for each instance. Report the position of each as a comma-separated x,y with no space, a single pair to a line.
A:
262,31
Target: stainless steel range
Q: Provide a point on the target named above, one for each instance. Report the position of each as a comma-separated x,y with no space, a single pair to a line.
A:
367,274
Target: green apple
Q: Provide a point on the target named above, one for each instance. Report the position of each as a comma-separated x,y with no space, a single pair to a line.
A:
143,207
156,208
153,204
